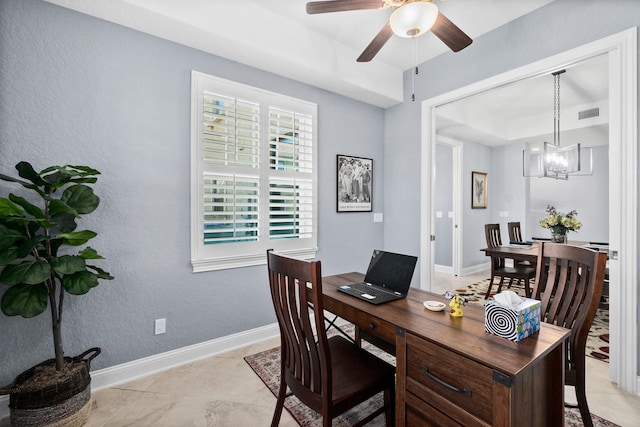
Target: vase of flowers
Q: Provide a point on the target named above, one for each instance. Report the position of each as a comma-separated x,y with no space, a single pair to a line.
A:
560,224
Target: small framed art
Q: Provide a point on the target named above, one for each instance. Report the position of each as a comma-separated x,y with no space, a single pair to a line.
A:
354,184
478,190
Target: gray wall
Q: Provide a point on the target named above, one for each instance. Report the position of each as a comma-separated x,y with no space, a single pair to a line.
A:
555,28
78,90
588,195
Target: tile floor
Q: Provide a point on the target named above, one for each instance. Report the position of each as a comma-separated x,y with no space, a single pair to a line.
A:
223,391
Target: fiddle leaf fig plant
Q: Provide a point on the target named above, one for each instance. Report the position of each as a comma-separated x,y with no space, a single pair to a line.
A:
38,243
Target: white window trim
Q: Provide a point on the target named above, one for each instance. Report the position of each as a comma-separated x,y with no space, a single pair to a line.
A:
201,258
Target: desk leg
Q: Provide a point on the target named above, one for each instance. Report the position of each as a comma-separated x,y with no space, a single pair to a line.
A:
332,323
401,376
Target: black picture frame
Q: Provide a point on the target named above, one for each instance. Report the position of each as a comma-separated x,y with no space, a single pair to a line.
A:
354,184
479,189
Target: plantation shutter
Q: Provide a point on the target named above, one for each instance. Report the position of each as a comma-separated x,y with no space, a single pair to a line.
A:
253,175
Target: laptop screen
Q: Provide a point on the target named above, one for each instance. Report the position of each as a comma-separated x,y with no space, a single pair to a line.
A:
391,271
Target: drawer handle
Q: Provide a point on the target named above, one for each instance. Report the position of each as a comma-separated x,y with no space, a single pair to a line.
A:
372,325
465,391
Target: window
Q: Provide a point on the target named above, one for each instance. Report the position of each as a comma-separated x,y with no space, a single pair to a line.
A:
253,174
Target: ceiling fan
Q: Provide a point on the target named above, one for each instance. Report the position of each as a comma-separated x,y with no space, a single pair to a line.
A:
410,18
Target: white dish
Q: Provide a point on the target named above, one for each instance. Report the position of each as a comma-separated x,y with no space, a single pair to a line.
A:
434,305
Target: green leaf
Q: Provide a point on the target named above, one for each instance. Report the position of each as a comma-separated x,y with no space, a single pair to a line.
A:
79,283
81,198
25,247
68,264
27,272
84,170
8,255
24,300
26,171
32,210
8,237
100,272
85,180
90,253
77,238
8,208
59,206
64,222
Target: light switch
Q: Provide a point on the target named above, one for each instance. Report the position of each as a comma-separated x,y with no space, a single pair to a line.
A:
377,217
439,214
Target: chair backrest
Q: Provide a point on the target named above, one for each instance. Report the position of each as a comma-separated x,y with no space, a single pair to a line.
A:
569,284
515,234
296,291
492,234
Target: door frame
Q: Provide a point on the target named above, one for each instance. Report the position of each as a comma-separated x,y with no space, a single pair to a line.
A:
623,178
457,223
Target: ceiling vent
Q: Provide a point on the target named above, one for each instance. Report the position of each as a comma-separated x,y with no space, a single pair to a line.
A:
587,114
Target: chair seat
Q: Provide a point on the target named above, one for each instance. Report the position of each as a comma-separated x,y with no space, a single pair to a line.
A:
519,270
348,358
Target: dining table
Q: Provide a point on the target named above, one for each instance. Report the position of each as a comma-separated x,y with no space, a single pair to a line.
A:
528,251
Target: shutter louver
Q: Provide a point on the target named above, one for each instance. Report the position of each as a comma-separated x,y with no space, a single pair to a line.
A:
291,141
231,131
290,208
230,208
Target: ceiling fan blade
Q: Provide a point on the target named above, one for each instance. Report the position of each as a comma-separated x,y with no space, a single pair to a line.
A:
376,44
341,5
450,34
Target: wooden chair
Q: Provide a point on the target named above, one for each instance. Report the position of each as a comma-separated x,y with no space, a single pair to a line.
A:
499,268
515,234
329,375
569,284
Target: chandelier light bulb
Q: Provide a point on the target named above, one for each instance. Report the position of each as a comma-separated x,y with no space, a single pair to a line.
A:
413,19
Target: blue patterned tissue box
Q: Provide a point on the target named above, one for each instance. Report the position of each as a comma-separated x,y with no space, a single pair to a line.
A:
512,323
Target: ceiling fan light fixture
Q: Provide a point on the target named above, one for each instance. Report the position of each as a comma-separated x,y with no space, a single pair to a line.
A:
413,19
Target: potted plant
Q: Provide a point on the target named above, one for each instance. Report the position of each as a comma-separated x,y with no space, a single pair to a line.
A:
560,224
40,262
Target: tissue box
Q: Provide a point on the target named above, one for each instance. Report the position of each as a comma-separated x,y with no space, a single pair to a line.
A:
515,323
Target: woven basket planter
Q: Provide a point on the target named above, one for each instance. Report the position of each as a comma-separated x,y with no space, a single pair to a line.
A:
66,403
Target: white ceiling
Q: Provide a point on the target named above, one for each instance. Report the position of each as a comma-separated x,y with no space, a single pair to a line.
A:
523,111
278,36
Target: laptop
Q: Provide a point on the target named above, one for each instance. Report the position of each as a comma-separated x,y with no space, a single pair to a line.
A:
388,278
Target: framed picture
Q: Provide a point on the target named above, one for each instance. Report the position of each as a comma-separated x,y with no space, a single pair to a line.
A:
354,184
478,190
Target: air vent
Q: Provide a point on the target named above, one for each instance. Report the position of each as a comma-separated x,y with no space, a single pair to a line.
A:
587,114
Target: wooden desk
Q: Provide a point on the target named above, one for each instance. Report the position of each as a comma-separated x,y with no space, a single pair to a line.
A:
500,382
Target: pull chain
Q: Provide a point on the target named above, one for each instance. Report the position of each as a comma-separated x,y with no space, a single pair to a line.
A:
413,76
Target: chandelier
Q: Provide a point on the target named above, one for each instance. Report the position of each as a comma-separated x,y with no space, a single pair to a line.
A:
554,161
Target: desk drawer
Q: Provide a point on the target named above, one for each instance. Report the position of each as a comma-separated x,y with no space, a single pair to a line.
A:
375,326
421,414
457,386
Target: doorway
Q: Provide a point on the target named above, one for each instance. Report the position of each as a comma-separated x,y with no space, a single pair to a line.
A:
622,52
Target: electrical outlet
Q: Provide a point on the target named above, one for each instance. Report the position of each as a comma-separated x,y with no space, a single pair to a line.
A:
161,326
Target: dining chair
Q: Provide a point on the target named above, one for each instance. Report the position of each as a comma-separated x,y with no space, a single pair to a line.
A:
515,233
329,375
520,272
568,284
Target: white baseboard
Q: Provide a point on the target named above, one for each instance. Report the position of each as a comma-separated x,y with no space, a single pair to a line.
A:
476,269
443,268
126,372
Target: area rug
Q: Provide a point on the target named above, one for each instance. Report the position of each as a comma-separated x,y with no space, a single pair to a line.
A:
598,340
266,365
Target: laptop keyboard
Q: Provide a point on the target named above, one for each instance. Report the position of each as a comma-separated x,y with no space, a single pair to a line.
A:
370,290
